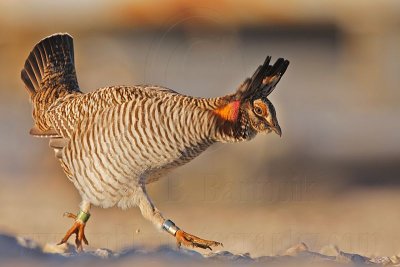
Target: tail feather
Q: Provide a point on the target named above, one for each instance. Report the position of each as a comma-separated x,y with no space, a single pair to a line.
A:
49,73
28,82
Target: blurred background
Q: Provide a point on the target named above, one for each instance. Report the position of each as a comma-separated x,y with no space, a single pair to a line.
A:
333,177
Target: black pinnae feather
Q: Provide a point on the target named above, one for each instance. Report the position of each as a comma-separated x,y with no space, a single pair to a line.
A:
264,79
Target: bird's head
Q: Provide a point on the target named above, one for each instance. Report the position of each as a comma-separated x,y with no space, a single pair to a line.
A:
249,110
260,116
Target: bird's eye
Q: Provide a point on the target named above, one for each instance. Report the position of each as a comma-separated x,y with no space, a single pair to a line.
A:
258,110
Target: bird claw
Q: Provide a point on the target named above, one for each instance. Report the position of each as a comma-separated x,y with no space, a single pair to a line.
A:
69,215
78,228
188,240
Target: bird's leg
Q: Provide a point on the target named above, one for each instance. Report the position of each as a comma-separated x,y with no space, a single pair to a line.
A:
150,212
186,239
78,228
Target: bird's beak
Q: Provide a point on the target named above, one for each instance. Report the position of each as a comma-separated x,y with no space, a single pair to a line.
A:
274,125
277,130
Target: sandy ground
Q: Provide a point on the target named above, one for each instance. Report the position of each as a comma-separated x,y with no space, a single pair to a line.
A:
18,251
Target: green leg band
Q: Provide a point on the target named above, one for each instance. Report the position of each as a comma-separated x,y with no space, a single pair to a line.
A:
83,216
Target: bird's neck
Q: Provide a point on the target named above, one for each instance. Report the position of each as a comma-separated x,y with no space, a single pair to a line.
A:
228,112
230,123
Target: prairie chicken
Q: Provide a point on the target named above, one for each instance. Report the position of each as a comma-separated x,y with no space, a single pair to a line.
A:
115,140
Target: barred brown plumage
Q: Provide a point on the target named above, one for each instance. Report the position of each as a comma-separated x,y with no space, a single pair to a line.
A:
115,140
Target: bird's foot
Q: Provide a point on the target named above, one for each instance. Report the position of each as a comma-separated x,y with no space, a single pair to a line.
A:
78,228
188,240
